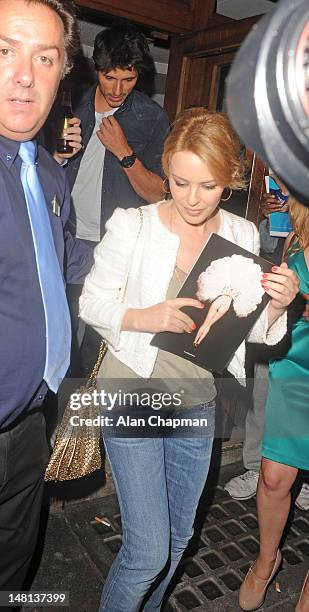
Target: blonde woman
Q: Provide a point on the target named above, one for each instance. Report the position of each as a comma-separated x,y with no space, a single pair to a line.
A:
285,447
159,480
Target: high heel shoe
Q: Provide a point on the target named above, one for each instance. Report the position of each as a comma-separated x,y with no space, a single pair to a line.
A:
249,600
303,602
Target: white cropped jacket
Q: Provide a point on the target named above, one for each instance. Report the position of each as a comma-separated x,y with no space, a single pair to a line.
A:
145,264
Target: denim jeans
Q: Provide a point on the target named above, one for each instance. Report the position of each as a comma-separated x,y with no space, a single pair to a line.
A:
159,482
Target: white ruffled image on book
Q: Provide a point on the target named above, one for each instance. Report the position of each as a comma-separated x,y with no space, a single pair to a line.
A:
237,278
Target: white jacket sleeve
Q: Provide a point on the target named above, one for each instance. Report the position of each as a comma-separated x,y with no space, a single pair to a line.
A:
100,304
260,332
256,240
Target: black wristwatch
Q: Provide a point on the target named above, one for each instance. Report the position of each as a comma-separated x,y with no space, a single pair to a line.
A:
128,160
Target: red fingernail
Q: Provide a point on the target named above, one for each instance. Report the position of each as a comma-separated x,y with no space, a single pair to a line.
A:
193,327
264,275
274,268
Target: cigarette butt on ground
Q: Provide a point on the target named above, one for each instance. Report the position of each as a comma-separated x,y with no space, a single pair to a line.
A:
103,521
278,587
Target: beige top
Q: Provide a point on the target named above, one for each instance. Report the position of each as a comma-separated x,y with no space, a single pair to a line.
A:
173,374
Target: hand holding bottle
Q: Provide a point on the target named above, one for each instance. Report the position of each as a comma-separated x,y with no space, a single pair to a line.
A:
69,138
73,135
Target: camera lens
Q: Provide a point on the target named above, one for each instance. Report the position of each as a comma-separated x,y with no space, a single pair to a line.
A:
268,93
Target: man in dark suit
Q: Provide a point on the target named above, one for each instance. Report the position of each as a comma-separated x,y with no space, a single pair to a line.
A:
37,44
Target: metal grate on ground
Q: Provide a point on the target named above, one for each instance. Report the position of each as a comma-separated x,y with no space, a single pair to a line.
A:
218,556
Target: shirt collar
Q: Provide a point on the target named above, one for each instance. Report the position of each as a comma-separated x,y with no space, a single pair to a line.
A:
8,150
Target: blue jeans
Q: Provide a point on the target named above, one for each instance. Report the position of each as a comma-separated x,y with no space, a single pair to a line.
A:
159,482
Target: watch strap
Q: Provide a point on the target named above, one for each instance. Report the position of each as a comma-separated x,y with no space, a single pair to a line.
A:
128,160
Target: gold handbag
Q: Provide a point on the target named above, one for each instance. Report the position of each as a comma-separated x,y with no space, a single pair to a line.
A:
76,452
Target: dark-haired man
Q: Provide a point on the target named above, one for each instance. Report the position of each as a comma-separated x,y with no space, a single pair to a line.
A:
123,135
36,47
120,164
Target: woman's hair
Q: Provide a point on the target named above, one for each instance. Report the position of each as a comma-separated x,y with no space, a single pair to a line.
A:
299,215
66,11
124,47
210,136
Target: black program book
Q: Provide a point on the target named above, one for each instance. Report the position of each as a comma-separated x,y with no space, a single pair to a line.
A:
225,336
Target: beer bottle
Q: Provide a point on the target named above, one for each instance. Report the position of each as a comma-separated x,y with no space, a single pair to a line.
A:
66,113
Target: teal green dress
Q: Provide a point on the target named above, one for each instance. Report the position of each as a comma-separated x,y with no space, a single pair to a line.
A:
286,434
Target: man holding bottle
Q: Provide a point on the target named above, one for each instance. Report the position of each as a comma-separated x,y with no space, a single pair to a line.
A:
37,44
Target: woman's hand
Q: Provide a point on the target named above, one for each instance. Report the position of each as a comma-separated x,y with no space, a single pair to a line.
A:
217,310
165,316
74,133
282,285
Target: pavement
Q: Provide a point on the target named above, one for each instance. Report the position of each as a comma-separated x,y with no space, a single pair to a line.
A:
77,549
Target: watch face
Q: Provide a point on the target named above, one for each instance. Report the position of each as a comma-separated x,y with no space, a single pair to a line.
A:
128,161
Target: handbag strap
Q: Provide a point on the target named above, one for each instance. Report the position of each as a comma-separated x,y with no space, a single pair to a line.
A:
93,376
141,219
103,345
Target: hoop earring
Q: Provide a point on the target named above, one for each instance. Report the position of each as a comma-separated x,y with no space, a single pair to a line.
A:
166,186
228,197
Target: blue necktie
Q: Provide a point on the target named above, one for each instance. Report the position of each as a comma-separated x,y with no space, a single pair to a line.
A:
57,317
